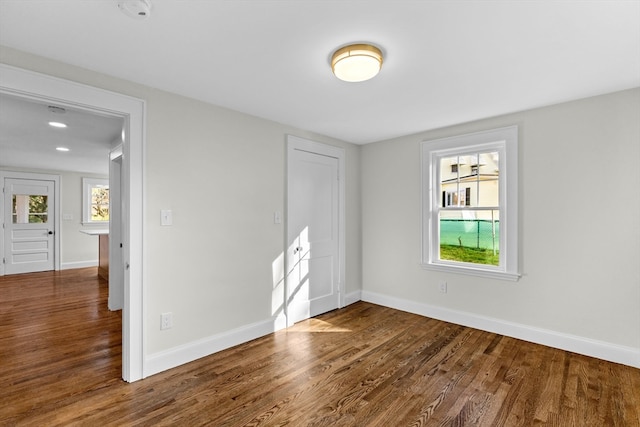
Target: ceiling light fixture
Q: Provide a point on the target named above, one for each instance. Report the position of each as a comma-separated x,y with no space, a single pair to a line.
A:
356,62
57,125
138,9
62,149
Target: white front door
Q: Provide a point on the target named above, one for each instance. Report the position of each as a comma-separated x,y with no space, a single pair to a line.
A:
313,243
29,225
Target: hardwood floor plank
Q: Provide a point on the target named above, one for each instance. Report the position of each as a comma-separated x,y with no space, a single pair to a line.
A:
365,365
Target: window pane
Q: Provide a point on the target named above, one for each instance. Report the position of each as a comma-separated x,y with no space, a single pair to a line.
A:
449,170
488,178
470,236
29,209
99,203
470,180
449,167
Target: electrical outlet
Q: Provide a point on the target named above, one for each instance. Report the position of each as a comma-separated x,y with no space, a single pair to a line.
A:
166,320
443,287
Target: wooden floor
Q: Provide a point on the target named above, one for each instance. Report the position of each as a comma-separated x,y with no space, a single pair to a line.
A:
364,365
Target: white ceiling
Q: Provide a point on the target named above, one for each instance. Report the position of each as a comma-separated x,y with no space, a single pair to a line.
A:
446,61
27,140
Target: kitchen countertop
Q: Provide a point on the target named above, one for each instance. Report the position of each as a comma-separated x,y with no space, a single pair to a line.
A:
95,231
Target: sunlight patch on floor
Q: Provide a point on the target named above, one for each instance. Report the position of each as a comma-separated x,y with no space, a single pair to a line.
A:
316,325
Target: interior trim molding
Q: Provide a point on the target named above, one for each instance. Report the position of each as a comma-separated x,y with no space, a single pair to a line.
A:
599,349
352,297
185,353
176,356
78,264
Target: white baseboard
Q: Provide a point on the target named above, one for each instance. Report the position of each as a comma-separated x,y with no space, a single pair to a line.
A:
352,298
115,304
78,264
189,352
602,350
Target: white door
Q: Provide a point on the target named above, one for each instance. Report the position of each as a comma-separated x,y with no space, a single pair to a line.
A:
29,225
313,244
116,260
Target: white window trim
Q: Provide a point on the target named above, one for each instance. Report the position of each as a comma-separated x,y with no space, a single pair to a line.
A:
87,185
504,140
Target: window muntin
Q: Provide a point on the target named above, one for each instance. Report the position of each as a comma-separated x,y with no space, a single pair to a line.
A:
470,210
95,201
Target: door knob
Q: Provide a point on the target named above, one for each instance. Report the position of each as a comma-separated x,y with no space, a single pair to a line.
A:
50,232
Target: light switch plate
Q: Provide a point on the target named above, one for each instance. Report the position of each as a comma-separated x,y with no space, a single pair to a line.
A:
166,217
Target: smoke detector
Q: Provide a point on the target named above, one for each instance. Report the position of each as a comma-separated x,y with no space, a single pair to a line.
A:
55,109
138,9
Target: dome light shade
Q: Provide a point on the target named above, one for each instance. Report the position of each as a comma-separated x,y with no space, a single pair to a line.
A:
356,62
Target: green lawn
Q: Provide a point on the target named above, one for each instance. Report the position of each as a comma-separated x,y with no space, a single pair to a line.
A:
465,254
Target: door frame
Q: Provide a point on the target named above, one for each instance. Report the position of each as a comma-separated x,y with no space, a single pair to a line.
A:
296,143
5,173
41,87
116,267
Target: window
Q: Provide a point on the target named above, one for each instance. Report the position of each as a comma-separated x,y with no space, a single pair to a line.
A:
29,209
95,200
461,197
470,218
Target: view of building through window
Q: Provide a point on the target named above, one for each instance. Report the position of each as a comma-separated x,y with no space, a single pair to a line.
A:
469,214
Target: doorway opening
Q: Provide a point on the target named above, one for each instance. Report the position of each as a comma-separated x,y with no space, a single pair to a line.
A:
43,88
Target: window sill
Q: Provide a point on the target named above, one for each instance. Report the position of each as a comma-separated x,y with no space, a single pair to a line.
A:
470,271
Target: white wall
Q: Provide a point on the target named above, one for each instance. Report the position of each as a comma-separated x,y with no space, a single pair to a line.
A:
222,173
77,249
579,220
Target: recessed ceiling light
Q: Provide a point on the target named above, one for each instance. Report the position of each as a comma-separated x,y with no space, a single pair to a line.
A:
57,125
62,149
